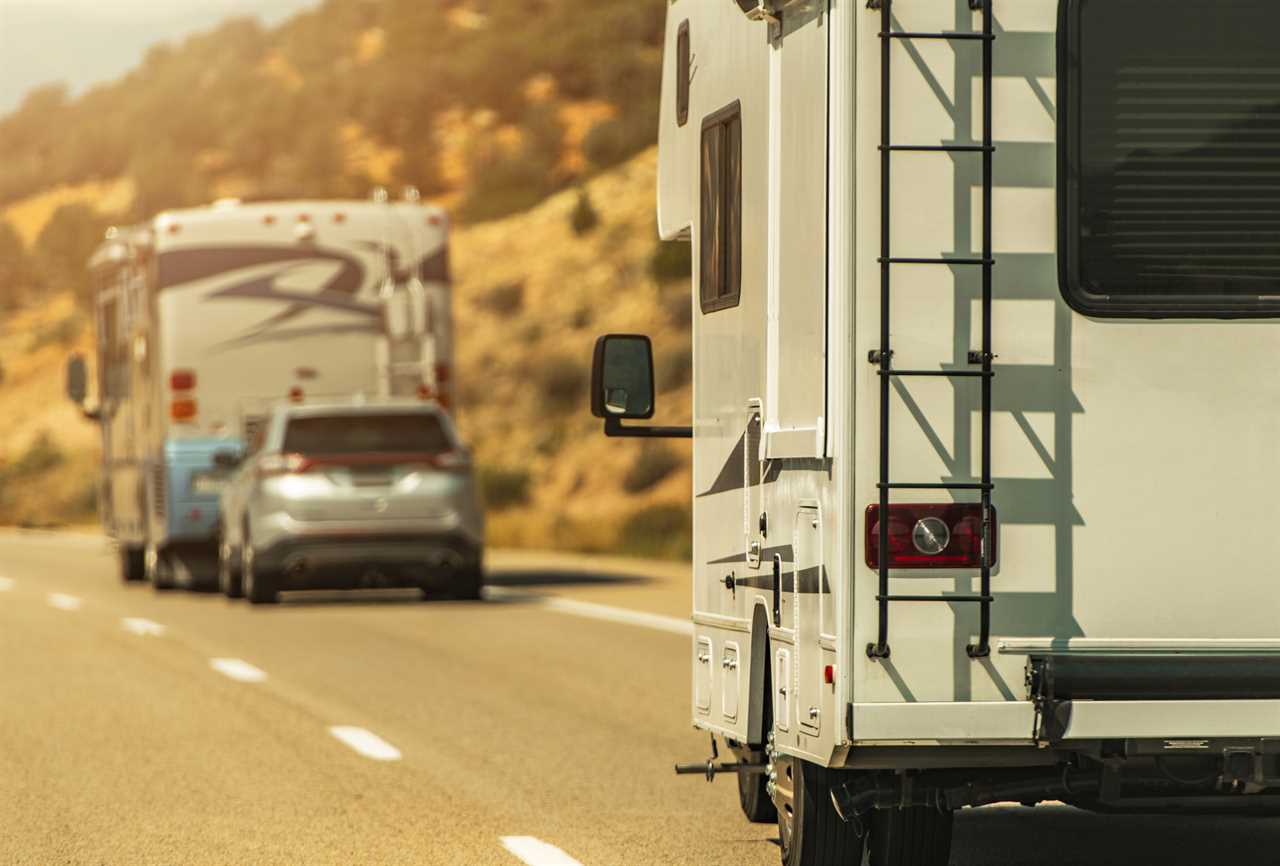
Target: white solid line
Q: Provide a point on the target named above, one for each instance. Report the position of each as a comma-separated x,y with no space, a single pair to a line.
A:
535,852
620,614
238,670
62,601
142,627
6,584
366,743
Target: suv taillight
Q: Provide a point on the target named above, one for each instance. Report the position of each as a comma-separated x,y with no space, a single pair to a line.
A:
930,536
282,464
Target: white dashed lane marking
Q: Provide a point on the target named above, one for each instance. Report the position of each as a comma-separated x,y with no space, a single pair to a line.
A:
142,627
589,610
62,601
6,584
535,852
238,670
366,743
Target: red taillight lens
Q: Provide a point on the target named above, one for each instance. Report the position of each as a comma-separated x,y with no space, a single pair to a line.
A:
930,536
182,380
296,395
283,464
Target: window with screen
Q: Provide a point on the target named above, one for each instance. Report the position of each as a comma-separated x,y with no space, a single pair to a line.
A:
720,238
1169,152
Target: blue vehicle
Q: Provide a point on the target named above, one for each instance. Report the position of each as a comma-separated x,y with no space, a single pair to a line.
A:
208,317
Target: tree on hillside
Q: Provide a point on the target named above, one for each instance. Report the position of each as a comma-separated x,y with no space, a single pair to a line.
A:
15,267
64,246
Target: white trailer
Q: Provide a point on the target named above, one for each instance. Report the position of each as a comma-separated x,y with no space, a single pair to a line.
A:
1011,277
207,317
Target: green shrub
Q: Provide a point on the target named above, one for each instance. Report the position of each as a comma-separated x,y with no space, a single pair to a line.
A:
584,218
41,455
654,462
59,333
613,141
506,298
678,307
671,261
503,487
664,531
563,382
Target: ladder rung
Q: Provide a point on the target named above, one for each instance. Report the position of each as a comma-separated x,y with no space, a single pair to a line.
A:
936,486
950,36
971,599
939,148
962,374
898,261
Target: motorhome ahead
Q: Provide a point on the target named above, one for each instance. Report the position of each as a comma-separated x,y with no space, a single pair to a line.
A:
207,317
981,297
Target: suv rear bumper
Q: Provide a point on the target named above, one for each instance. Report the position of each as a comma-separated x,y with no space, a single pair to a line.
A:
344,561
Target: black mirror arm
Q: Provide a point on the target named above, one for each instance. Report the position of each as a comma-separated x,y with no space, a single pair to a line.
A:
613,427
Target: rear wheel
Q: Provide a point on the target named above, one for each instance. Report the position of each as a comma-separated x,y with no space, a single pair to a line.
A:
133,563
910,837
468,583
159,569
753,797
229,571
258,585
810,831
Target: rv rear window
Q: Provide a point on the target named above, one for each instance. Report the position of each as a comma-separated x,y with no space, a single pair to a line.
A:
683,63
1169,158
720,239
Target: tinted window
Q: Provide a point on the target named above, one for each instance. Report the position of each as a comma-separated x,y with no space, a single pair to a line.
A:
720,238
401,433
1170,157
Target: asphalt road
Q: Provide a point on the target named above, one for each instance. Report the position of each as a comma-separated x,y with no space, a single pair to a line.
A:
538,727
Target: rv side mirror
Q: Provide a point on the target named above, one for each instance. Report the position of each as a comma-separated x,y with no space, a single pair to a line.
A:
227,459
77,379
622,377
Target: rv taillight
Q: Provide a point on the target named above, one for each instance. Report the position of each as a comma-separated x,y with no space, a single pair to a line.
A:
182,380
424,392
930,536
296,394
182,410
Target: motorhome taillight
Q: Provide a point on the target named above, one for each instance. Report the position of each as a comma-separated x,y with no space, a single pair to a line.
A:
296,394
182,410
930,536
182,380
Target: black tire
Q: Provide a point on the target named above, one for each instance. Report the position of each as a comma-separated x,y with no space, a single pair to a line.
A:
258,584
910,837
469,583
753,797
812,834
133,563
229,581
160,572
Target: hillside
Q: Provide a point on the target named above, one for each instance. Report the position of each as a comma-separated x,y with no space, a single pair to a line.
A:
531,296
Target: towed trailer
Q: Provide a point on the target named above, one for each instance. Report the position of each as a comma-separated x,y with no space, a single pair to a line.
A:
981,292
208,317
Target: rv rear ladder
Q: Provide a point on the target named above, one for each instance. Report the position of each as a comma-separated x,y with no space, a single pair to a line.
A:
883,357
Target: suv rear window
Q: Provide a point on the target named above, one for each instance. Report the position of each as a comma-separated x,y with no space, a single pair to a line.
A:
1169,130
392,433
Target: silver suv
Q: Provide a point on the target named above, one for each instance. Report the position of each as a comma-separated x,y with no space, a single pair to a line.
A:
352,495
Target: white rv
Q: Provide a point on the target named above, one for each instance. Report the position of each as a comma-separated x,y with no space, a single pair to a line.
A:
207,317
984,301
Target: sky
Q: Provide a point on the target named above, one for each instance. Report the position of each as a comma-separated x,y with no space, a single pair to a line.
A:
83,42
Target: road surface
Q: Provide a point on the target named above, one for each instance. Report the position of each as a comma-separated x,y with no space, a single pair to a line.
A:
537,727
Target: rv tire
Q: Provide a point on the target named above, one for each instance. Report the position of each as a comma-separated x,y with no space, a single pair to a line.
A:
160,570
812,833
910,837
753,797
469,583
133,563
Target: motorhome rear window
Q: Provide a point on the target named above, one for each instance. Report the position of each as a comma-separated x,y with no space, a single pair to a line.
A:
720,239
1169,152
392,433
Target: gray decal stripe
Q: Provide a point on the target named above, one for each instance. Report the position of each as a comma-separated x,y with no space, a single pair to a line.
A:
812,581
731,475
